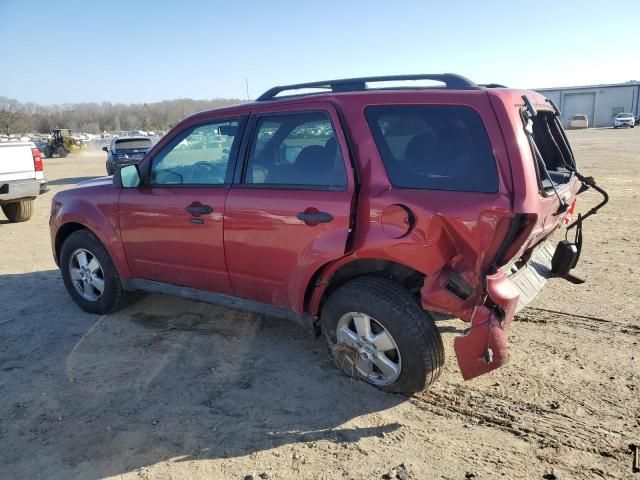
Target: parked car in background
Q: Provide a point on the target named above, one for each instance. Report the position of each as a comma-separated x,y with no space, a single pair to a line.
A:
624,120
126,151
21,179
355,212
579,121
41,142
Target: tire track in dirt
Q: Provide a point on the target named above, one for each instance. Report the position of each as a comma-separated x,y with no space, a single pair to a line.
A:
531,422
541,315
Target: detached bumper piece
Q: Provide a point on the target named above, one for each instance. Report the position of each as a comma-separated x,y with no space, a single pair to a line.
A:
484,347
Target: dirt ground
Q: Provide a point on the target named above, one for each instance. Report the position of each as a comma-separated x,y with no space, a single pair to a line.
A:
170,388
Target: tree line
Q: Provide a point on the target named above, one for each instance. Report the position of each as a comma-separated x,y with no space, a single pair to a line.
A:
18,117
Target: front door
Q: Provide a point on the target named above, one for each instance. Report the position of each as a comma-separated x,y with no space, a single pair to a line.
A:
172,226
289,214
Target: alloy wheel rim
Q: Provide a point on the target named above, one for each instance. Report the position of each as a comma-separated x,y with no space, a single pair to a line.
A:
373,352
86,274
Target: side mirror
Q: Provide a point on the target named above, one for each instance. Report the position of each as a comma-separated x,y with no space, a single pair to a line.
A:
106,149
127,177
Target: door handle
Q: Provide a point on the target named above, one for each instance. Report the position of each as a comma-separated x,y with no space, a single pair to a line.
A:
196,209
314,218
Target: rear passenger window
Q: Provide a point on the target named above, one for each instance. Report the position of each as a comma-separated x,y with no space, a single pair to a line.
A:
296,150
436,147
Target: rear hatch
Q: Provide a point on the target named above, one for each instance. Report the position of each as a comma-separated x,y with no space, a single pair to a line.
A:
16,161
543,168
546,184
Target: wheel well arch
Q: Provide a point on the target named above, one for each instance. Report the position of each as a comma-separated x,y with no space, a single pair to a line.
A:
409,278
63,233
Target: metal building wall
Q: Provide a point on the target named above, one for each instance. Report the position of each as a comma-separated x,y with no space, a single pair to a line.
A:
598,102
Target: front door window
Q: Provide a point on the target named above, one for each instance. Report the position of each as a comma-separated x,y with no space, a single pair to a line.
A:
199,156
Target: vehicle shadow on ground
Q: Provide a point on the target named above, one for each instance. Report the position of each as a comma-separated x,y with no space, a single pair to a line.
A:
164,380
69,180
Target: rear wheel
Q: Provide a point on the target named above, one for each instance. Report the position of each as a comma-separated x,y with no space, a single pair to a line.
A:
377,331
90,276
19,211
48,152
62,152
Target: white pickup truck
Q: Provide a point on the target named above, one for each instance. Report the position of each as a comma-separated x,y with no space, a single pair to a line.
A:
21,179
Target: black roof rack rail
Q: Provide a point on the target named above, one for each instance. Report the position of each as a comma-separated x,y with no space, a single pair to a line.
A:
451,80
493,85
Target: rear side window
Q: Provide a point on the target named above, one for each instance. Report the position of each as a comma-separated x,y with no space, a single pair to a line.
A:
435,147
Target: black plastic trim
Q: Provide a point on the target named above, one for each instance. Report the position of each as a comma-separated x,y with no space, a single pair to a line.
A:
305,320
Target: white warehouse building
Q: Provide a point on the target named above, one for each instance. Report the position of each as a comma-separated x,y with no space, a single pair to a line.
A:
599,102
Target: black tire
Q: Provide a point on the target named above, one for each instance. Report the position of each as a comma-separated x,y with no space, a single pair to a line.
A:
109,171
114,297
19,211
48,152
62,152
413,329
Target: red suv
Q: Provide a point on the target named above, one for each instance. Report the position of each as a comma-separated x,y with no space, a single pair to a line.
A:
351,209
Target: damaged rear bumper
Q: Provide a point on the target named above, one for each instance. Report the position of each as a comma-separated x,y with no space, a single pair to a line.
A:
484,347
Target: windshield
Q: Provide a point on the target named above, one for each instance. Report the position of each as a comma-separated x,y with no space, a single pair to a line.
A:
132,143
624,115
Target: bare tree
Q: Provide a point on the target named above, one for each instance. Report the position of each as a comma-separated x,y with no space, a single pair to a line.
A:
97,117
10,115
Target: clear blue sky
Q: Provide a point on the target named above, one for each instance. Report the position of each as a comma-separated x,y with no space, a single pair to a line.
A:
136,51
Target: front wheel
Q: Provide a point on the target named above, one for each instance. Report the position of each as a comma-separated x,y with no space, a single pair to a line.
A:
377,331
90,276
62,152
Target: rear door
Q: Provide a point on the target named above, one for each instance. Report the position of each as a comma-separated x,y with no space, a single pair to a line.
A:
172,226
289,212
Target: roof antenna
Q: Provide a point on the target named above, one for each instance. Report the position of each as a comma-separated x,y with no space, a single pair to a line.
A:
246,81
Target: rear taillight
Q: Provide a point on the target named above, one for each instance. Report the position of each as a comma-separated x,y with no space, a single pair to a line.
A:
520,229
37,160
